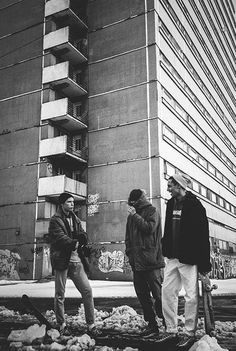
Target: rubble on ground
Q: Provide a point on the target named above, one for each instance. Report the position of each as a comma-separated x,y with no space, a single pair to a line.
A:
207,343
122,319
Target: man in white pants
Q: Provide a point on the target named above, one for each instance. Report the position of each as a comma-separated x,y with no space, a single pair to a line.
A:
186,246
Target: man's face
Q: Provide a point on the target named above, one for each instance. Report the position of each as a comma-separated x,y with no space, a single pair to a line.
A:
174,190
68,205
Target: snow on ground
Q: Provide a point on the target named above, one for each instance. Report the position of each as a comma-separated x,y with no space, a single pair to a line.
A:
100,288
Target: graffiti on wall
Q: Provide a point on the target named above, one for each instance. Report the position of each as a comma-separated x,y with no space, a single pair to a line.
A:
111,261
93,205
223,266
8,264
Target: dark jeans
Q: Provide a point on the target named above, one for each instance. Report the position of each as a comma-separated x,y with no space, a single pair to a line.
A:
145,284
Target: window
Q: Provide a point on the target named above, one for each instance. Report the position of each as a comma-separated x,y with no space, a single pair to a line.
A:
192,153
213,197
202,161
229,163
221,244
203,190
219,175
78,143
211,169
223,157
225,181
201,133
180,143
221,201
208,116
217,150
168,133
231,185
180,111
195,186
77,110
192,123
227,206
210,143
167,96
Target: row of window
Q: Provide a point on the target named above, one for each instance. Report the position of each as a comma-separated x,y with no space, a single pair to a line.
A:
197,102
216,32
180,143
223,28
225,25
201,189
217,245
197,79
221,59
197,55
167,97
207,50
229,21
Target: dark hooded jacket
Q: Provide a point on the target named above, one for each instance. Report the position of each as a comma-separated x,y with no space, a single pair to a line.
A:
63,242
194,245
143,237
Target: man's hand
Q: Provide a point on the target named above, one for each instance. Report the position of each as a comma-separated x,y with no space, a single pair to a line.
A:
131,210
204,273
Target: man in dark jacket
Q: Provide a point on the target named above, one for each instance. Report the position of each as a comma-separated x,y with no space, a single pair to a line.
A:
143,248
67,238
186,246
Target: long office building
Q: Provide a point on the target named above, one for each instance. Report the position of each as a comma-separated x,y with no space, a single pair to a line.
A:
99,97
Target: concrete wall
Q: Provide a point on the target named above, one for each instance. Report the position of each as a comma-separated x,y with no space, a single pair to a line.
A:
119,137
104,12
21,71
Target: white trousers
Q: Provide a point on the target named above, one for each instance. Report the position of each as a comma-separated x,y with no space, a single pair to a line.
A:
176,275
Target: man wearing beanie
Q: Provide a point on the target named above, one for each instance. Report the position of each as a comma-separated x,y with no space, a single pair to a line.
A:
143,248
67,238
186,246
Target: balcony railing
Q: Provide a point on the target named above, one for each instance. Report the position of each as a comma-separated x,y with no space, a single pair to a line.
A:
62,43
75,111
55,185
65,113
62,146
63,77
63,10
72,148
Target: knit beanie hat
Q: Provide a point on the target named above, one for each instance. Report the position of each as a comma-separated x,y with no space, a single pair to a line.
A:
180,180
63,197
134,195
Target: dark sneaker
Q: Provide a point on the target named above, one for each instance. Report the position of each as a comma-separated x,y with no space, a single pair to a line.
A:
150,330
168,337
94,331
63,330
186,342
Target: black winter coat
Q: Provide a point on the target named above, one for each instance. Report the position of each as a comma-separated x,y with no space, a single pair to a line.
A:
194,246
62,243
143,237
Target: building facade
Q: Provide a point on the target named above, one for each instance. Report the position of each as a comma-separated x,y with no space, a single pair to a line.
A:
102,97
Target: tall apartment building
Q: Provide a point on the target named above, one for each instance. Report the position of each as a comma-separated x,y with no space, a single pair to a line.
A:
102,97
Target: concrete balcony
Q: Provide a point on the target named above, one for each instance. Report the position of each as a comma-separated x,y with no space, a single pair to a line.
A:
63,78
64,113
60,42
63,11
62,146
54,186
